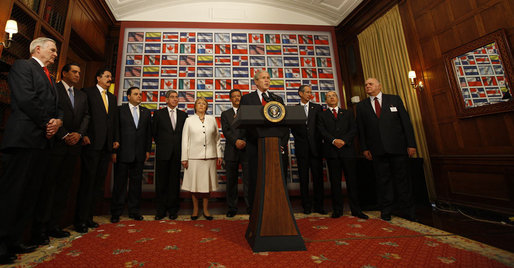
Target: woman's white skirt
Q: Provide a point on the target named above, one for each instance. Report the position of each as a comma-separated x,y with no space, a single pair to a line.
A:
200,176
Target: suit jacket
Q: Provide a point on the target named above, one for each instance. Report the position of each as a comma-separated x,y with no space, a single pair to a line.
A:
307,137
101,123
391,133
34,102
135,141
75,118
253,99
343,128
201,140
231,136
168,141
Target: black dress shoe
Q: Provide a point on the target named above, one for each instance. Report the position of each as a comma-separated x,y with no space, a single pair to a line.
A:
115,219
136,217
194,218
173,216
231,213
360,215
81,228
92,224
336,214
159,217
386,217
307,211
209,218
22,248
41,239
320,211
58,233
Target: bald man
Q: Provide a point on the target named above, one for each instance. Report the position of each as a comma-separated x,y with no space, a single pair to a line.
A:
387,138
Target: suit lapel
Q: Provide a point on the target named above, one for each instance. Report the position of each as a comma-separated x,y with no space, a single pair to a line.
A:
126,109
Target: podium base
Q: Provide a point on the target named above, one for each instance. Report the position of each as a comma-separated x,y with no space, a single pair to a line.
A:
276,243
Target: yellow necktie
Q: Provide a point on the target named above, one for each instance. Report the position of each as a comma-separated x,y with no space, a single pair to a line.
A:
104,97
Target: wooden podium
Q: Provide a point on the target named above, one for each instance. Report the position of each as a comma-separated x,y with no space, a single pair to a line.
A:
272,224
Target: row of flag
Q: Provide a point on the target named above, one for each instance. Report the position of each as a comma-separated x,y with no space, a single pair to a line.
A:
227,49
209,37
210,60
225,84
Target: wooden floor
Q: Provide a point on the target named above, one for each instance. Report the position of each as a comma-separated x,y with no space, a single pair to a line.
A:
494,234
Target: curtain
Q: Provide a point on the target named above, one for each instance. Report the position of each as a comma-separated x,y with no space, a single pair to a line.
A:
384,56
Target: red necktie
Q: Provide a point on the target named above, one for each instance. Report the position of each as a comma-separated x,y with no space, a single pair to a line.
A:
334,113
47,74
263,100
377,107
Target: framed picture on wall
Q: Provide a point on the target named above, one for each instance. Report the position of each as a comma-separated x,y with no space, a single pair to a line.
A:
480,74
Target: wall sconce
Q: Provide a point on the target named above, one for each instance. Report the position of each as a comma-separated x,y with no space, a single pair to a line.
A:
11,27
412,77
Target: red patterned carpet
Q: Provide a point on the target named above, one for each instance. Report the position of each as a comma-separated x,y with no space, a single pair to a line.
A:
343,242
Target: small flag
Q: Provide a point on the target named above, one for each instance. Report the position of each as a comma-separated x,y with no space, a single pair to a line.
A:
187,37
204,71
322,51
187,48
273,38
170,48
321,39
186,84
206,94
205,84
223,72
240,72
222,60
204,49
204,60
305,39
291,61
239,60
324,62
169,60
152,59
325,73
290,50
292,97
186,72
275,61
170,36
256,49
149,95
241,84
293,84
135,48
153,37
292,72
307,62
312,83
257,61
273,50
204,37
307,50
222,37
134,59
186,96
239,49
150,84
276,85
289,39
309,73
131,82
135,37
169,83
152,48
187,60
326,85
131,71
222,96
276,72
256,38
223,84
222,49
239,38
169,72
150,71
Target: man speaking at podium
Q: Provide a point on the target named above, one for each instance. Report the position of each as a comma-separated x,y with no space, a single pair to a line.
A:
261,96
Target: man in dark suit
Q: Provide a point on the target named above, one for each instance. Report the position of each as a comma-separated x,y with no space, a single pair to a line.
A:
134,135
338,128
167,124
307,143
261,96
99,143
28,135
387,138
63,157
235,154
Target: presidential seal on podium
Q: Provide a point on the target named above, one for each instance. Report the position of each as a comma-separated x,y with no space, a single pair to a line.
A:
274,111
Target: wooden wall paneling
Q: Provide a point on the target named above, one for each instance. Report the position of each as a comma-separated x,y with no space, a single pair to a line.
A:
5,13
89,28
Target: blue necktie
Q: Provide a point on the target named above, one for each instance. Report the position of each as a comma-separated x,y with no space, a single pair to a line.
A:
136,118
72,98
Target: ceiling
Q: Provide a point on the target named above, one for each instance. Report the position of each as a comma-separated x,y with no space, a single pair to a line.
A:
303,12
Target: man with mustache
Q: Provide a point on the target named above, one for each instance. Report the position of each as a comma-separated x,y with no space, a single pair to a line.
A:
97,151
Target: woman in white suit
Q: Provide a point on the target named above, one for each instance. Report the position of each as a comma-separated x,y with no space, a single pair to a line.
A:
201,152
